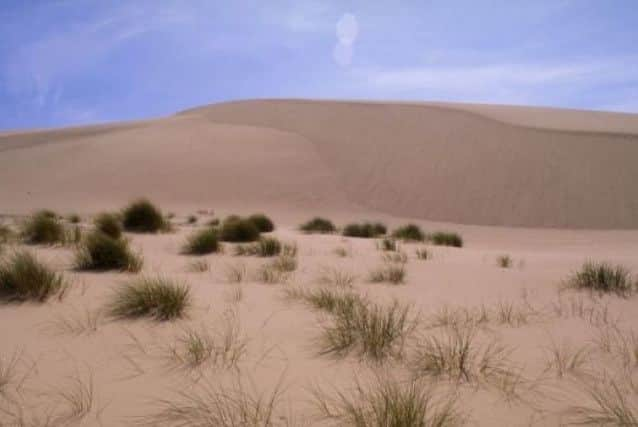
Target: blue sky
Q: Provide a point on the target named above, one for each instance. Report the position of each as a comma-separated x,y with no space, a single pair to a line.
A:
65,62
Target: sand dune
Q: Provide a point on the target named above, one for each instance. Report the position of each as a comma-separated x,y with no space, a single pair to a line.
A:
472,164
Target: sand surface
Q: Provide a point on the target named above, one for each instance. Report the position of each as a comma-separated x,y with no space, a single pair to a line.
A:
566,179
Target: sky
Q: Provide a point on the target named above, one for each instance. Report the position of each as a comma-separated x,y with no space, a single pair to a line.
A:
73,62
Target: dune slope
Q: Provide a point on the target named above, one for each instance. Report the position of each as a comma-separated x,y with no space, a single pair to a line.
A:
488,165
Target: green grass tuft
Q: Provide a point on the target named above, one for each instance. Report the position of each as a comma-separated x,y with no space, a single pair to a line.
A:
202,242
158,298
109,224
235,229
142,216
262,222
265,247
318,225
446,238
603,277
24,278
43,228
366,230
101,252
409,232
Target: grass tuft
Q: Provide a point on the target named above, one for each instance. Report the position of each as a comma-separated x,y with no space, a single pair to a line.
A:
100,252
109,224
202,242
262,222
158,298
365,230
24,278
236,273
389,272
199,266
409,232
265,247
423,254
387,244
504,261
235,229
446,238
603,278
142,216
43,228
335,277
318,225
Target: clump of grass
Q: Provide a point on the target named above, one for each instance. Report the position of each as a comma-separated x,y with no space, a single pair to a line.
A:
262,222
74,218
409,232
158,298
389,402
387,244
235,273
565,359
199,266
366,230
374,331
335,277
603,278
109,224
457,355
395,258
192,219
265,247
611,403
235,229
101,252
327,299
285,263
43,228
389,272
446,238
24,278
504,261
423,254
202,242
142,216
318,225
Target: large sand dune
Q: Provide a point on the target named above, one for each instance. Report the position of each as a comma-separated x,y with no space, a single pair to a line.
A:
473,164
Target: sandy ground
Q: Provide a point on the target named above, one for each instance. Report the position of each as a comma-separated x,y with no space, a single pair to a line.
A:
277,162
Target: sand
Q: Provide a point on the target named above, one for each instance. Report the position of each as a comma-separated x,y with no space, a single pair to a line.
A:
549,188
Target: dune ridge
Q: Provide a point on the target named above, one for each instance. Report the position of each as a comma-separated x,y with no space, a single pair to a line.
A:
459,163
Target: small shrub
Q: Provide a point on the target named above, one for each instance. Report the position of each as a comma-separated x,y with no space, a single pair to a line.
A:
202,242
238,230
445,238
409,232
159,298
142,216
192,219
603,278
109,224
423,254
101,252
24,278
504,261
393,273
387,244
74,219
318,225
262,222
366,230
43,228
265,247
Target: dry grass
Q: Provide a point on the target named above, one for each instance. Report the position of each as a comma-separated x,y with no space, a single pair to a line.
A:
100,252
504,261
594,311
565,359
609,402
77,322
24,278
43,227
265,247
389,272
330,300
423,254
342,252
236,273
620,343
158,298
77,398
335,277
198,266
388,402
387,244
602,278
211,403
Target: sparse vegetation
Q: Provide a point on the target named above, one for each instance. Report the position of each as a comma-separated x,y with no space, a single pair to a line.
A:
262,222
409,232
318,225
158,298
423,254
43,228
387,244
191,220
373,331
365,230
335,277
566,359
5,233
603,277
236,273
142,216
388,402
329,300
389,272
611,403
101,252
202,242
265,247
199,266
235,229
341,252
24,278
109,224
504,261
446,238
74,218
